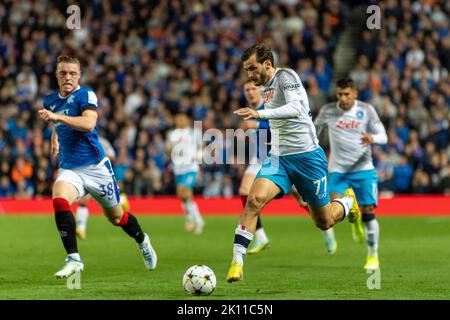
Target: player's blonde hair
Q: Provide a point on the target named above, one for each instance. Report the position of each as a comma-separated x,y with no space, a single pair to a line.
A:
68,59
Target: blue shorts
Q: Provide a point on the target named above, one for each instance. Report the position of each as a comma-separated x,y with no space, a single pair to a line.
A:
364,183
306,171
187,179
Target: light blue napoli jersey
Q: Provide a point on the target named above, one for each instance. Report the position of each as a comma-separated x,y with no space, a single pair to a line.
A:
76,148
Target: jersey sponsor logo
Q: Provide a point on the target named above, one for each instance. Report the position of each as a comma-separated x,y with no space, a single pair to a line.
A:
292,86
268,95
345,124
63,112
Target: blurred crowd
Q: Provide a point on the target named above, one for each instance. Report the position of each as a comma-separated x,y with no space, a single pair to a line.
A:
147,60
403,70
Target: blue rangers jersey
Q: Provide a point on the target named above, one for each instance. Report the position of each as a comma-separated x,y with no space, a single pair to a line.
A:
76,148
262,124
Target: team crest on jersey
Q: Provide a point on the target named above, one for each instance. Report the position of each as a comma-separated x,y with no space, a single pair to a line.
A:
359,115
70,100
268,95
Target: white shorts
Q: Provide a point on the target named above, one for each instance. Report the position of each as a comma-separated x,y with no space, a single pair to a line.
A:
98,180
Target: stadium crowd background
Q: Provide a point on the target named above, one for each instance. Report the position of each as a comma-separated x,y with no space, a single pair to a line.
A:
147,60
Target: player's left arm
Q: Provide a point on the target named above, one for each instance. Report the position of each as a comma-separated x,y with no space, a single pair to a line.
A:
376,133
85,123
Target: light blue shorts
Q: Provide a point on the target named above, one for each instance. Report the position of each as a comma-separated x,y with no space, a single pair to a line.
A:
306,171
187,179
364,183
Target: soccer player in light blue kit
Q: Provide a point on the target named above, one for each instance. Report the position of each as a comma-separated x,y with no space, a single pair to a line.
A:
296,157
257,155
185,147
352,127
83,167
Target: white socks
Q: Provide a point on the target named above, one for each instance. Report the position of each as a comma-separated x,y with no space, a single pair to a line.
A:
242,239
191,210
82,217
372,230
328,234
261,235
347,203
75,256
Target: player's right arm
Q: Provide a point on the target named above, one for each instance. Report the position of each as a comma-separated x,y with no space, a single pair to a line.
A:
85,123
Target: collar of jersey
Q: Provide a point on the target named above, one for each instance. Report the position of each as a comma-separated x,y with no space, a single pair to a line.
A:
78,88
271,79
354,105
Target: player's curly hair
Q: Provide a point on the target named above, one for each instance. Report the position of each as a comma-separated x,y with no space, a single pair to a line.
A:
263,53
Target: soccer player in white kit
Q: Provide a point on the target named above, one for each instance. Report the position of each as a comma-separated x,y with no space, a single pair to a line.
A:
185,146
83,166
296,157
352,127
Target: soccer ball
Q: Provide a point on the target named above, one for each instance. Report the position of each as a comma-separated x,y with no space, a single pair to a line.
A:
199,280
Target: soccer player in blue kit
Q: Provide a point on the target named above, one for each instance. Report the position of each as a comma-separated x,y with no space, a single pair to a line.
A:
83,166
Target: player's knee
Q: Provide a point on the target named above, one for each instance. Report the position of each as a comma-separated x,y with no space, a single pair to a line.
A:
60,204
115,221
118,222
323,224
255,202
184,193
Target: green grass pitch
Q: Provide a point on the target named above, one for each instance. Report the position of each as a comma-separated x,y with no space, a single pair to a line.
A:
413,254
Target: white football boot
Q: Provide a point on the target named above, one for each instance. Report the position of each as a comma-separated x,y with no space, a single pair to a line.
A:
148,253
72,266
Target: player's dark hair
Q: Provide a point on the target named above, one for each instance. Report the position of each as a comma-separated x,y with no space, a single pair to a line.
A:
262,51
345,83
68,59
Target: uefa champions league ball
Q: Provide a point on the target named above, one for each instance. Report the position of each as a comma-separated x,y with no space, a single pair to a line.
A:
199,280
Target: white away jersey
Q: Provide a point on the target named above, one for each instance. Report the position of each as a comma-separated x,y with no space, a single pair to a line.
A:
345,129
287,109
185,147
